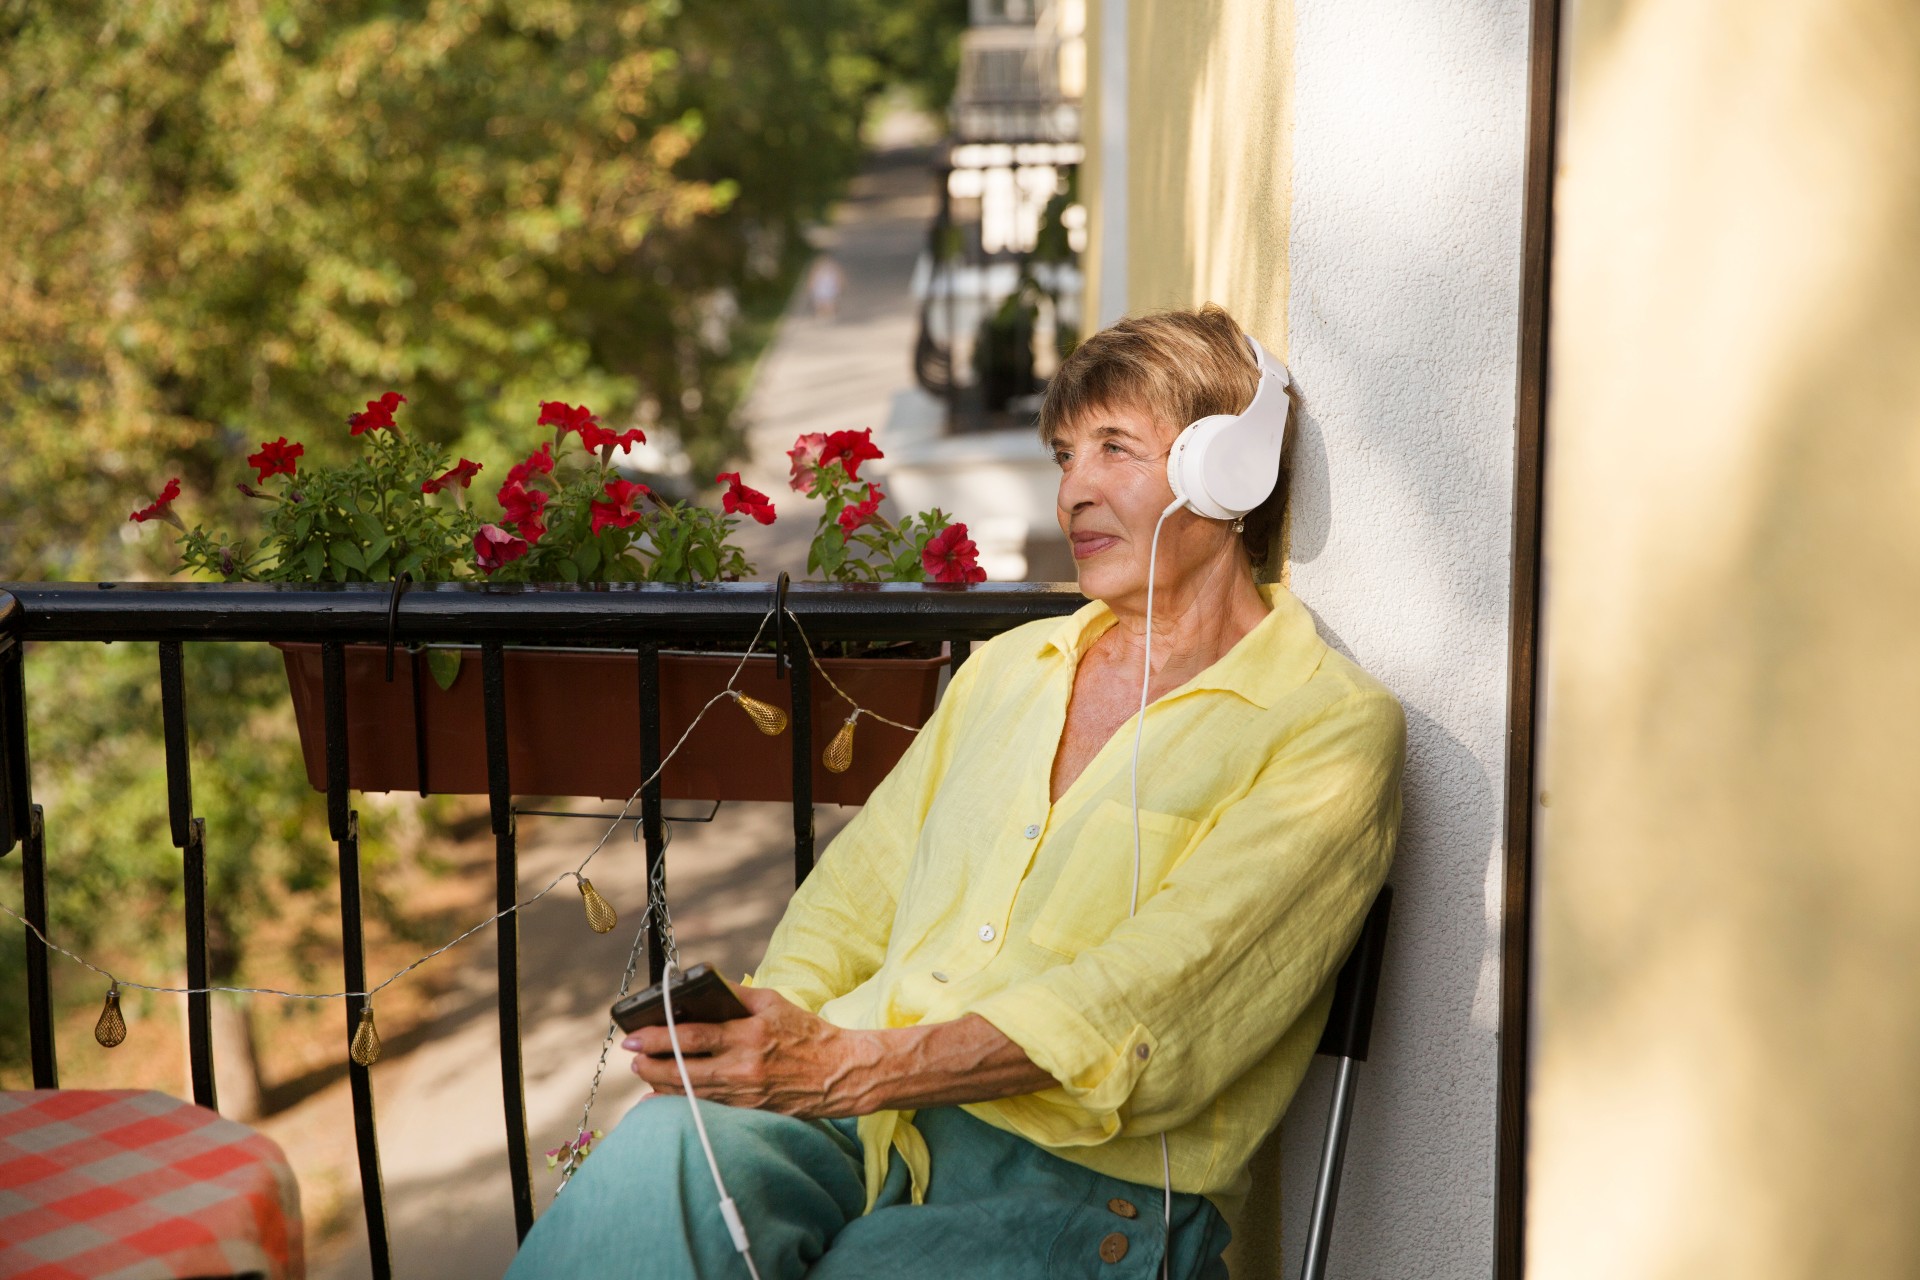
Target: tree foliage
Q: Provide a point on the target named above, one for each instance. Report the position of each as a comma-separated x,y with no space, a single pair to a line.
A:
228,219
232,220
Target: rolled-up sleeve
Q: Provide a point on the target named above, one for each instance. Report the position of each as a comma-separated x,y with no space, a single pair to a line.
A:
1236,944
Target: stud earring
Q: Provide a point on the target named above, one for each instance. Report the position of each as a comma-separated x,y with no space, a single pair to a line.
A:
1239,526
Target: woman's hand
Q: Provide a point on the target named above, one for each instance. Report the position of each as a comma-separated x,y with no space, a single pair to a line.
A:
782,1058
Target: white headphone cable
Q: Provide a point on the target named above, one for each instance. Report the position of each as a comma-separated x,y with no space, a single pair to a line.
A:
1133,900
728,1210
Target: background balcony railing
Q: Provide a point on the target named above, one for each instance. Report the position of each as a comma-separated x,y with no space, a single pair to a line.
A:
642,619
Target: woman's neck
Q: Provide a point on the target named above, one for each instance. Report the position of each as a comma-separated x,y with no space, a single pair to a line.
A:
1195,622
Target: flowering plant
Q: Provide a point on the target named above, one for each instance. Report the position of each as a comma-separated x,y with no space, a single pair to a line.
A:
565,514
853,542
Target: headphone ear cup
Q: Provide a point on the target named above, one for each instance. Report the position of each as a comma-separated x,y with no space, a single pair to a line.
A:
1197,467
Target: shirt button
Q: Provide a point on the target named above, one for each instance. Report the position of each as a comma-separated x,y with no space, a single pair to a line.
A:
986,933
939,976
1124,1208
1142,1052
1113,1247
1033,831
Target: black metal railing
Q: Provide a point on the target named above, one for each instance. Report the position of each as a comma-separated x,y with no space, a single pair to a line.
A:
642,619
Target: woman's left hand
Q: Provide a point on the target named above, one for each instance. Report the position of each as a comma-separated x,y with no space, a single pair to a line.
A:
781,1058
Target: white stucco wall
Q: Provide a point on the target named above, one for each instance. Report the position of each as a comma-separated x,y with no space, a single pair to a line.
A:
1409,119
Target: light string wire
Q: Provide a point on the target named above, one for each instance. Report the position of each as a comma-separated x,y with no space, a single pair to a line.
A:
858,710
497,916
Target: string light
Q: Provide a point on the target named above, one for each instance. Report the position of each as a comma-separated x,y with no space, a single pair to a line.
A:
366,1041
766,717
838,756
601,917
111,1028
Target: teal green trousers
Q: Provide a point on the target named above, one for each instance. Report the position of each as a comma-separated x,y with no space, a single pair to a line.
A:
643,1207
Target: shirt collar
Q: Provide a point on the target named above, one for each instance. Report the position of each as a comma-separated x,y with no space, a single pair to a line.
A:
1267,663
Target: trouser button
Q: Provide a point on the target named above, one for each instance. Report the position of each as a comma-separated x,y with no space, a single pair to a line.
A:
1113,1247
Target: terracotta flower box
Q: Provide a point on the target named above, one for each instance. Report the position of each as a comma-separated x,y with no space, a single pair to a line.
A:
573,724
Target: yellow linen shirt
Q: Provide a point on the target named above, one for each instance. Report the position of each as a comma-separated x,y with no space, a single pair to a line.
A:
1269,802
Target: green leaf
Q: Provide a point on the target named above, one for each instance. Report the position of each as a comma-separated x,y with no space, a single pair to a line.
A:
347,556
705,567
315,559
444,664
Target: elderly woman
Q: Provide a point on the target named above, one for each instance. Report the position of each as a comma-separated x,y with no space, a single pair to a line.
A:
970,1051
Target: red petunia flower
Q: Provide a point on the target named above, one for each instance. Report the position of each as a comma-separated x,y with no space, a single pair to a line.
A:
539,462
379,414
855,514
596,437
739,498
276,458
806,459
950,556
621,511
462,475
494,547
567,417
524,509
850,449
161,508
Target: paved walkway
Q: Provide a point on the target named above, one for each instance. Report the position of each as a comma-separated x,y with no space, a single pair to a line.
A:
442,1135
841,373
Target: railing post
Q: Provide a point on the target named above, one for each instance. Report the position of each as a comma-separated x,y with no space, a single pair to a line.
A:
652,806
22,823
344,825
190,837
506,873
33,874
801,690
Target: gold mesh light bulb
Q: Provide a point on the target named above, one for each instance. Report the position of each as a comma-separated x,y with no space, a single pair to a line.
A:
766,717
839,753
601,917
112,1028
366,1041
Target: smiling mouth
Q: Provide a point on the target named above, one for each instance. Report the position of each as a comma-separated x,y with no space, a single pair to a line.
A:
1092,544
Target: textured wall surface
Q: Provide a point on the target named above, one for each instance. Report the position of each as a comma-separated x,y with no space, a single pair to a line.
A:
1729,960
1408,132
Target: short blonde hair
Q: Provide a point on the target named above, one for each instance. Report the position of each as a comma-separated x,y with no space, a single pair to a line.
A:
1174,367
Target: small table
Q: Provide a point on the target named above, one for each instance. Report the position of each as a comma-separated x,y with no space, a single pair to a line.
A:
132,1184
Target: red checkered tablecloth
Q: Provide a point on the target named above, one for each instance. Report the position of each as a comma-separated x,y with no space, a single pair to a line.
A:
126,1184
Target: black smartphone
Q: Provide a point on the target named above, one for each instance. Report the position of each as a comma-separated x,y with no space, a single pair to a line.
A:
700,994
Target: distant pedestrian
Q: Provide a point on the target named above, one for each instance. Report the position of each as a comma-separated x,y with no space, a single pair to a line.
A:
825,279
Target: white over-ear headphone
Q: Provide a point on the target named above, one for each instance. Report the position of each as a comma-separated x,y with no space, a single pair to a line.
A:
1225,465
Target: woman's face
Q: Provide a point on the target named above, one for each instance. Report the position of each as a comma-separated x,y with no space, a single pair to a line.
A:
1113,487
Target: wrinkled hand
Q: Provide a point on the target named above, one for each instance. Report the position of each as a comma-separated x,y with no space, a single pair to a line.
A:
781,1058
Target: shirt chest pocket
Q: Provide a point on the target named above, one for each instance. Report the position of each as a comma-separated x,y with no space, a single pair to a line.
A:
1089,898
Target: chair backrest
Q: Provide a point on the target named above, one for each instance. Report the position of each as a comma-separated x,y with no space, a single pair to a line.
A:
1349,1031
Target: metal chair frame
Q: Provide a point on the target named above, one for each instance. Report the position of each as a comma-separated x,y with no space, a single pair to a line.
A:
1347,1038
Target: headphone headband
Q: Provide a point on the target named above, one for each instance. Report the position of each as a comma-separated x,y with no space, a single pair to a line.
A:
1225,465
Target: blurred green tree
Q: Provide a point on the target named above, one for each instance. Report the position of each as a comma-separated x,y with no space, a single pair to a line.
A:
234,219
231,220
